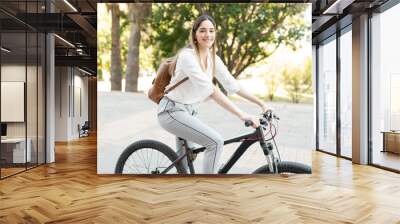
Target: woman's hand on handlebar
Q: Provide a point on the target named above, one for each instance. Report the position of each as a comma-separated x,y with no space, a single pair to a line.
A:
255,122
264,108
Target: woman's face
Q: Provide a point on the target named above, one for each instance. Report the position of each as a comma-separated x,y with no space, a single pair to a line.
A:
205,34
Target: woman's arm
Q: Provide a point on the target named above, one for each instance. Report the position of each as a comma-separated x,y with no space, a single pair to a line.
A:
232,86
248,96
223,101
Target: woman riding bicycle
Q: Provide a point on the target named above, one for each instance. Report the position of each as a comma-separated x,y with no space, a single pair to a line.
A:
200,64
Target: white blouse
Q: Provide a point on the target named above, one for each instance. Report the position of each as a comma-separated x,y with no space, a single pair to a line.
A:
199,86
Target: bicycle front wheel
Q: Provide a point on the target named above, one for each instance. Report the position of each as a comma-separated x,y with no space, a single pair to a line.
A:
286,167
148,157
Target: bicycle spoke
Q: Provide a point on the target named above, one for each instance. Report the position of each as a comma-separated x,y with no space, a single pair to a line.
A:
158,158
132,158
145,164
165,163
134,167
140,156
129,165
147,161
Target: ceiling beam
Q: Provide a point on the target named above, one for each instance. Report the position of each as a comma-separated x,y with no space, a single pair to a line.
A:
337,7
320,22
85,25
76,61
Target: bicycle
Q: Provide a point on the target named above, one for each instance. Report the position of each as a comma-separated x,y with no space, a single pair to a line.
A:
168,162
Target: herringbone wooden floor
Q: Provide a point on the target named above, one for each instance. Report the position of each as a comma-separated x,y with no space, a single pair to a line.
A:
70,191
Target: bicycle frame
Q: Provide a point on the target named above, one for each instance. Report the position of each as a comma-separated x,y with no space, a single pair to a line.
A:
247,141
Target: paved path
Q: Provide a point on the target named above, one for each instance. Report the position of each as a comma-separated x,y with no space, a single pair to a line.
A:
127,117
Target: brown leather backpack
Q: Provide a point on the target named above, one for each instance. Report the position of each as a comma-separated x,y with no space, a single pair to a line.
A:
162,79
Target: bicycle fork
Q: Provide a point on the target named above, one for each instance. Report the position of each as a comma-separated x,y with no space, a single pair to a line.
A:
268,148
269,155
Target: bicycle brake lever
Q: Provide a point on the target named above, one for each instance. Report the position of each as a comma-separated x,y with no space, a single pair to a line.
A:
263,121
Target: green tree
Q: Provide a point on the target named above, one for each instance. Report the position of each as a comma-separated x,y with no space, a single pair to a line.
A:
297,81
103,43
99,68
246,33
272,85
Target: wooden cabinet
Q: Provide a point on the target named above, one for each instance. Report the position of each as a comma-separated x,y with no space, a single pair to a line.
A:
391,142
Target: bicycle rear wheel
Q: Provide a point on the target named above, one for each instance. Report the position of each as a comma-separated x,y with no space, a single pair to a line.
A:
286,167
148,157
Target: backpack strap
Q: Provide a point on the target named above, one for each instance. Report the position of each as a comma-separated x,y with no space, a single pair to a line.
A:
176,85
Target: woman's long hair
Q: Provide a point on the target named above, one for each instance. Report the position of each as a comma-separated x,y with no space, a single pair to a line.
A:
194,44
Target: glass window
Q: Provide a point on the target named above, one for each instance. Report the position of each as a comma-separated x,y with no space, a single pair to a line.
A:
385,86
22,90
14,148
327,96
346,93
31,101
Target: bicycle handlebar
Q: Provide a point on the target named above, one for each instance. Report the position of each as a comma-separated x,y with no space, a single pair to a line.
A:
269,115
266,117
248,123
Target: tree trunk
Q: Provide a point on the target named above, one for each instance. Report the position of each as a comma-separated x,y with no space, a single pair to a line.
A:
116,69
132,63
137,14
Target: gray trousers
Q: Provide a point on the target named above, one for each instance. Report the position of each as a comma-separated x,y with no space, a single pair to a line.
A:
179,119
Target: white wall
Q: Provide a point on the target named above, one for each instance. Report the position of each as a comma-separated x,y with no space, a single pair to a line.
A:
14,73
80,110
17,73
50,93
61,103
70,84
12,101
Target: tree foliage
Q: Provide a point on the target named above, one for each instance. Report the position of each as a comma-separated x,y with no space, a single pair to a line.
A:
272,83
246,33
104,41
103,48
297,81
